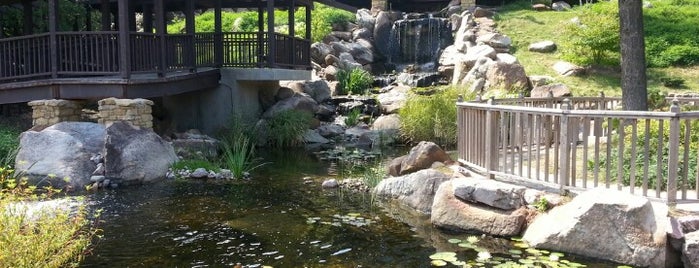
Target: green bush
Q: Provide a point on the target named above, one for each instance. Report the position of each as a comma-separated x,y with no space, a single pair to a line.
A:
596,39
432,118
56,239
354,81
286,128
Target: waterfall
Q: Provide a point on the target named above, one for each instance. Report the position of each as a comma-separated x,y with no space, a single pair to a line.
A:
418,39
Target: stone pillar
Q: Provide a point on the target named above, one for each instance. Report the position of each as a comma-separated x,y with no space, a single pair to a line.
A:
466,4
379,5
49,112
137,112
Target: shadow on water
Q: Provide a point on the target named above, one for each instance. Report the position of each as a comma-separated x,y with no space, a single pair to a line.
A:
275,219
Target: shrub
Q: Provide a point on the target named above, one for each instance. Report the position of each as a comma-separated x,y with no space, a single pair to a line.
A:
323,19
354,81
432,118
286,128
55,239
596,39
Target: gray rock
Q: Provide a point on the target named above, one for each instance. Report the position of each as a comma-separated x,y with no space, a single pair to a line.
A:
382,33
567,69
330,74
540,80
319,51
474,54
543,46
378,138
362,34
97,178
312,136
449,56
495,40
329,184
605,224
506,58
689,224
342,35
464,33
386,122
97,158
330,130
394,166
415,190
491,193
357,131
317,89
298,102
481,12
558,90
448,212
99,170
283,93
205,146
199,173
690,250
64,150
560,6
361,53
135,155
391,102
365,20
540,7
422,156
224,174
347,61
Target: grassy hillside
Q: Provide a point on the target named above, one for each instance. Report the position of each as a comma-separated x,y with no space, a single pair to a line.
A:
526,26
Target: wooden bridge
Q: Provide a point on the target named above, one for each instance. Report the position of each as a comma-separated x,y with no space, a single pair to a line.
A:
118,61
584,142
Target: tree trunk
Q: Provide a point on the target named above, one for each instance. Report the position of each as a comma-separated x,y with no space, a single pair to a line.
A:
633,59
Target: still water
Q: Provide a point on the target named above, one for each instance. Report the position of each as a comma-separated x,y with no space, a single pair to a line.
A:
276,220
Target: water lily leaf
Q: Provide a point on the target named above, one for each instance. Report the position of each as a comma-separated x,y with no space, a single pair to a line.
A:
454,241
442,255
521,245
438,263
515,251
466,245
472,239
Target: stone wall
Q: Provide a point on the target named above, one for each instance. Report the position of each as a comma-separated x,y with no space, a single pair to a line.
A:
49,112
137,112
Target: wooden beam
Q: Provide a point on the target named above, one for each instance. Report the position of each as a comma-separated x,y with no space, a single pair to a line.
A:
308,23
190,29
260,31
88,17
159,7
28,17
271,41
53,40
292,32
132,18
147,18
106,15
218,36
2,33
124,38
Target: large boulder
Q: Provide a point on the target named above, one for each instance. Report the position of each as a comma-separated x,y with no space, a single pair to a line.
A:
135,156
510,77
60,151
495,40
317,89
605,224
361,52
560,6
449,56
298,102
475,53
387,122
567,69
414,190
557,90
382,33
422,156
452,213
490,193
690,250
319,51
365,20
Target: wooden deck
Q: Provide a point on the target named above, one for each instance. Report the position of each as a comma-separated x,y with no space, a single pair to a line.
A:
89,65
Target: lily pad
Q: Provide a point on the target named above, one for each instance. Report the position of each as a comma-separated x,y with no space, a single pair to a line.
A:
454,241
442,255
438,263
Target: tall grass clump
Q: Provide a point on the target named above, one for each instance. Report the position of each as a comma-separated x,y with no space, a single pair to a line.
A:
287,127
9,144
354,81
55,238
239,156
432,118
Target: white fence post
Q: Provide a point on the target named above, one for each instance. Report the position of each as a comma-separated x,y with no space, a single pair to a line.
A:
673,155
491,141
564,145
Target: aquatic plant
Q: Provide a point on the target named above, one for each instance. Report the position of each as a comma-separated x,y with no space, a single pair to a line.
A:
56,239
239,156
286,128
352,118
354,81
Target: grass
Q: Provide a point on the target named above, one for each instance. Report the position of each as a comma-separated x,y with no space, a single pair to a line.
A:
9,144
526,26
53,239
239,156
286,128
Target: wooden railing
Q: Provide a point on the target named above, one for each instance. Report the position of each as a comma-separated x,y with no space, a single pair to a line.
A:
97,53
581,143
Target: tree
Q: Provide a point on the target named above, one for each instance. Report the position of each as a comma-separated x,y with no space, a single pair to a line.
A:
633,59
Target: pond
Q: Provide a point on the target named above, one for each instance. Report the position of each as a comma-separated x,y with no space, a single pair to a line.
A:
281,218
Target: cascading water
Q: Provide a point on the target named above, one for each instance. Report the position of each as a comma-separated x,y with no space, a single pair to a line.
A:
416,43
